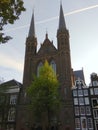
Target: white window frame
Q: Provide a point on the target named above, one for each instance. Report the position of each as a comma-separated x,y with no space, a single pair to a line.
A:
87,101
13,99
76,110
85,92
77,123
96,91
95,83
95,113
96,122
11,114
80,92
82,110
74,93
84,127
90,123
93,100
91,91
75,101
88,110
81,101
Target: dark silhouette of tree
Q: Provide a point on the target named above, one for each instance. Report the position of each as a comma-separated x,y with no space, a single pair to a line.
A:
10,11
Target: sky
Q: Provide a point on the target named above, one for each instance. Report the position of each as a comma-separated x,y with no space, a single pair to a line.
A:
81,17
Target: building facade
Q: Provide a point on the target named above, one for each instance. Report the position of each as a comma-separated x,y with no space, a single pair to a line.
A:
8,104
60,60
93,90
83,116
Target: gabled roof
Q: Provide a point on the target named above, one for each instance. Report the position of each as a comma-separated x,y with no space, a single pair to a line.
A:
79,74
47,47
10,83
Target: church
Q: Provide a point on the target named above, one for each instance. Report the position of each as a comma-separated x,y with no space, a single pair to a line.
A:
79,109
60,60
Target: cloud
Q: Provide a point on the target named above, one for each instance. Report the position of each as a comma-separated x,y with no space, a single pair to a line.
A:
54,18
10,62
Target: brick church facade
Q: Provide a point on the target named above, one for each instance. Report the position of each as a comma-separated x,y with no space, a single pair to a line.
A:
60,59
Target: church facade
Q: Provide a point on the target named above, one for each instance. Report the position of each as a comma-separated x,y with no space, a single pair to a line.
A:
60,60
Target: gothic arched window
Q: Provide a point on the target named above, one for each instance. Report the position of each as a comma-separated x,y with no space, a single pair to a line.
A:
53,64
38,67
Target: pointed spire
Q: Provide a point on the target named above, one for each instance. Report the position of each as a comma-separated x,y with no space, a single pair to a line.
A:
46,34
61,18
32,27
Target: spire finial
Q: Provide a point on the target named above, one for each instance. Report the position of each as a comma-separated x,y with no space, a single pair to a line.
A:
46,34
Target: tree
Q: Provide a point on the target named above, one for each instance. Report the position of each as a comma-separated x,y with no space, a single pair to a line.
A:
44,93
10,11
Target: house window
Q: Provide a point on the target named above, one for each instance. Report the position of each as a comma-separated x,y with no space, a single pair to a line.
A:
82,110
94,102
76,110
76,101
85,92
96,124
81,101
83,123
11,114
77,122
95,83
95,113
38,67
53,64
91,91
13,99
74,92
96,91
80,93
88,111
10,127
90,123
86,100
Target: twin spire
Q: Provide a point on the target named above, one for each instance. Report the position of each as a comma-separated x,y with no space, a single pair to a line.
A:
32,27
62,24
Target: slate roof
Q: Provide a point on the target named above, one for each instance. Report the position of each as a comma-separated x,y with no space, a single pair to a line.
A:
32,27
79,74
62,24
12,82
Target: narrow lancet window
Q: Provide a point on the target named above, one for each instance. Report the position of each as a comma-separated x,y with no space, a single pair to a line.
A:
53,64
38,67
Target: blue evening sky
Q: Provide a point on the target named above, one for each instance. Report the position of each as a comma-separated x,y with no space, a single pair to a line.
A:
81,18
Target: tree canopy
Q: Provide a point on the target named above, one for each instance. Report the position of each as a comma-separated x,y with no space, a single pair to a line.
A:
10,11
44,93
